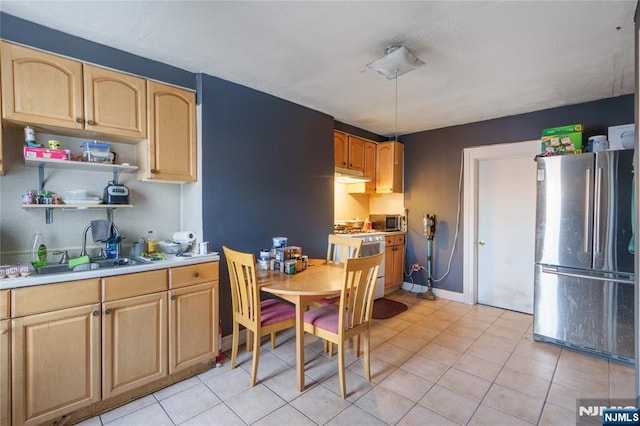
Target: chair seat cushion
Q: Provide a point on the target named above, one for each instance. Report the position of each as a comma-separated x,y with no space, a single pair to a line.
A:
329,300
325,318
273,311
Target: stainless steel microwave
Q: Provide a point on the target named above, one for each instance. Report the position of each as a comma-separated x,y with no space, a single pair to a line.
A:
387,222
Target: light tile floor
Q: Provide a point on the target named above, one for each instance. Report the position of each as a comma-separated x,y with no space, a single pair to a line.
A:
439,363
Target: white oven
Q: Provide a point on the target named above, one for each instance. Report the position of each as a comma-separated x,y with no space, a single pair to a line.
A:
373,244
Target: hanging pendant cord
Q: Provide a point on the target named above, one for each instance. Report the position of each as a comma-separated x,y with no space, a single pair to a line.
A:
396,138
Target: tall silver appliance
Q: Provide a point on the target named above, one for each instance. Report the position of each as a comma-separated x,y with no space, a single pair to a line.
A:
584,270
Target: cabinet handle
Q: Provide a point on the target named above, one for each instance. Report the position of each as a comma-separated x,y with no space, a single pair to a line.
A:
90,122
95,313
196,274
79,120
108,311
173,297
3,331
153,170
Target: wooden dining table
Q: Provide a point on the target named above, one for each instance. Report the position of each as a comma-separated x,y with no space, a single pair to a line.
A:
322,278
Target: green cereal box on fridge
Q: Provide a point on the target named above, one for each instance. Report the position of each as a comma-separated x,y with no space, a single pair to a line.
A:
562,140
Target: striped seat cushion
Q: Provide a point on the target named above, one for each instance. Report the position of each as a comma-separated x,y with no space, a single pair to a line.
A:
273,311
325,318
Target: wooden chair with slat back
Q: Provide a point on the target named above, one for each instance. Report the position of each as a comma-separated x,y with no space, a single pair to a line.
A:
339,249
259,318
353,316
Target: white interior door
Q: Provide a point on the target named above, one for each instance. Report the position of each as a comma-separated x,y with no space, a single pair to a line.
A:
506,232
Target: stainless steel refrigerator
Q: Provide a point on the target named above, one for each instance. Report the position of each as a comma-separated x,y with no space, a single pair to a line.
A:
584,269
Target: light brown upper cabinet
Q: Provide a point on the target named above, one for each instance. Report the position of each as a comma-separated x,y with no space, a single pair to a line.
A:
340,149
370,156
170,154
51,91
348,151
356,153
389,173
41,88
115,103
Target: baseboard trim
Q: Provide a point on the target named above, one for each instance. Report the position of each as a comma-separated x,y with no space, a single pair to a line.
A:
444,294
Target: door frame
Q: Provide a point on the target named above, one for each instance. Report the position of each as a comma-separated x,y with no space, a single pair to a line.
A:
471,157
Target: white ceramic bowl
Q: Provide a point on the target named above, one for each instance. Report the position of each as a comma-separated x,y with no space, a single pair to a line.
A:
75,194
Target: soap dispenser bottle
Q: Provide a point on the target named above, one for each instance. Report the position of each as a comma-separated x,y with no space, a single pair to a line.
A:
39,250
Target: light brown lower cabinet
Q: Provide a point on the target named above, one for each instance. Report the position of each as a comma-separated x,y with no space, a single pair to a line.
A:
5,373
134,342
193,334
71,345
56,363
394,261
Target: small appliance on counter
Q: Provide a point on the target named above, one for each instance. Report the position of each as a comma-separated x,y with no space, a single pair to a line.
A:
388,222
115,193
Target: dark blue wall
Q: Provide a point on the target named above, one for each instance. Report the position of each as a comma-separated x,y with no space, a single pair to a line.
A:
267,171
432,168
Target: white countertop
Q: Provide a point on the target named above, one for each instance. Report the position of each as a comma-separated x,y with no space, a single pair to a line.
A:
169,262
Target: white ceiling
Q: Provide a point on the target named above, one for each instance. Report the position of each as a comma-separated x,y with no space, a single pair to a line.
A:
484,59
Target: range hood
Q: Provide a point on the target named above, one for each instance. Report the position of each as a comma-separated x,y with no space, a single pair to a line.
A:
343,175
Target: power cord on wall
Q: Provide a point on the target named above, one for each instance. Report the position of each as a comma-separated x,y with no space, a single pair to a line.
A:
412,268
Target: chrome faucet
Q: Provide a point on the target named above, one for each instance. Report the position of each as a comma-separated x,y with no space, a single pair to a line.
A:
83,252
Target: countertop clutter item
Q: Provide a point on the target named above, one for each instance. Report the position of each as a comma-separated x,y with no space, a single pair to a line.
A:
173,247
151,244
622,137
38,250
97,152
184,236
41,197
115,193
101,230
32,153
597,143
562,140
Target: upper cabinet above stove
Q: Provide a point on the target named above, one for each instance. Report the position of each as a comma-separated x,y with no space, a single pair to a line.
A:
357,154
390,167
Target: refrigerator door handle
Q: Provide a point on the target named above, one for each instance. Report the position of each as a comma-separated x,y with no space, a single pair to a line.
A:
597,209
591,277
587,203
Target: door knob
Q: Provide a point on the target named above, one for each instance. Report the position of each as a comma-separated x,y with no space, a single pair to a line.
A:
481,242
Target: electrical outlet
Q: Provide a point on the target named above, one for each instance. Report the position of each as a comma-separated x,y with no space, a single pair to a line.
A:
415,267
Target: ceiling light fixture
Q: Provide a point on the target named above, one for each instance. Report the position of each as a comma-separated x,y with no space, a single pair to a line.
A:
397,60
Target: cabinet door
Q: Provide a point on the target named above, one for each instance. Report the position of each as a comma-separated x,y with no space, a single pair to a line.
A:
114,102
193,325
370,156
340,149
40,88
5,374
172,134
398,264
390,171
356,153
56,363
389,264
134,342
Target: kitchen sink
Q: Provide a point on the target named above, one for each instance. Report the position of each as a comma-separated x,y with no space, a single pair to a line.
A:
57,268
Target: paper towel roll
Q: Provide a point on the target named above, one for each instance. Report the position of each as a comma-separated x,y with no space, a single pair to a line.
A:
184,236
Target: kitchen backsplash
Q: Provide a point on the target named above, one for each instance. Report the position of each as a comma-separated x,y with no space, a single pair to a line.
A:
156,206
